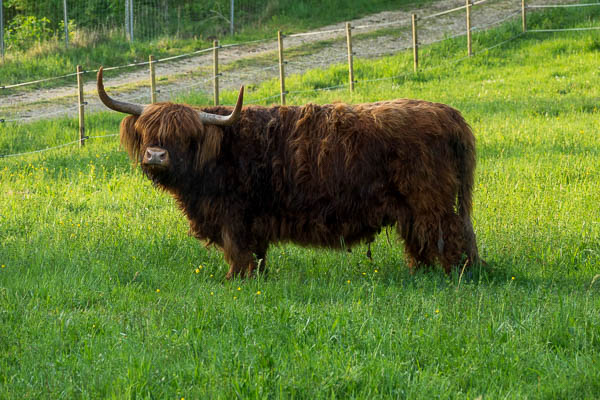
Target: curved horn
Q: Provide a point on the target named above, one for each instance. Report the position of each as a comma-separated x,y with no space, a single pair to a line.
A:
121,106
214,119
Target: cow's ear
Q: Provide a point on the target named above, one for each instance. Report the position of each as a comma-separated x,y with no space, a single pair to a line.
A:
131,140
210,145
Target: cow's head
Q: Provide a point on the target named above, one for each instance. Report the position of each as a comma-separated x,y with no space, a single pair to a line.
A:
170,140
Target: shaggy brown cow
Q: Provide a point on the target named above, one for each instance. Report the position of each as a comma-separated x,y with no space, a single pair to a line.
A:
318,175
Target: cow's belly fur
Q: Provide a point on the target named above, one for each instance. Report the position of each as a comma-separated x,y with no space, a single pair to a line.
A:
337,227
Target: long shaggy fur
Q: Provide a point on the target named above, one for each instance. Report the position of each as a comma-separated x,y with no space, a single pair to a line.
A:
318,175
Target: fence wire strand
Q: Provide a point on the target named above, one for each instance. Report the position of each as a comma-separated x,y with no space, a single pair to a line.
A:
500,21
562,5
39,151
439,14
55,147
591,28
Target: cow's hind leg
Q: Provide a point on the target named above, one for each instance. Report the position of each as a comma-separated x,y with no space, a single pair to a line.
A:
471,243
429,237
451,242
416,254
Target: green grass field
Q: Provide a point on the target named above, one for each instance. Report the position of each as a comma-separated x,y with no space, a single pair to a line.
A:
103,294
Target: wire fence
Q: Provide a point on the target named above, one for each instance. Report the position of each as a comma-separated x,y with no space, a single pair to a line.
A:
234,75
321,33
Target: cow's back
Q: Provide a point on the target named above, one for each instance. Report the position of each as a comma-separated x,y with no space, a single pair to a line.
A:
344,171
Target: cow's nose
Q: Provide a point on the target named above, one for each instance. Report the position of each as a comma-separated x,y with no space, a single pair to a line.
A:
156,156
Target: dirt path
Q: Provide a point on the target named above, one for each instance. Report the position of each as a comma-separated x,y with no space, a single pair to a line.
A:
190,73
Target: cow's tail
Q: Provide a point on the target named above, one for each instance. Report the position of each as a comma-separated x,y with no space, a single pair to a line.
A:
466,170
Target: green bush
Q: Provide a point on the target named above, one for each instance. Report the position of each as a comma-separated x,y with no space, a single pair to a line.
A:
24,31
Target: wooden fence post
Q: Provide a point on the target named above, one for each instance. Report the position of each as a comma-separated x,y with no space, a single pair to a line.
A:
415,43
469,48
523,17
350,56
216,72
82,136
469,52
152,80
281,71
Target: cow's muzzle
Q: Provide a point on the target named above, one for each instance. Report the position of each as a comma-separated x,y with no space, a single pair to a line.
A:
156,157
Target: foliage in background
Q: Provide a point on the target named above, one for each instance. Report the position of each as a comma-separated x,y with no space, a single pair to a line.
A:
23,32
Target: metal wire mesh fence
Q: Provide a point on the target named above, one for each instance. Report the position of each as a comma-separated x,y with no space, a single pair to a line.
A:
26,21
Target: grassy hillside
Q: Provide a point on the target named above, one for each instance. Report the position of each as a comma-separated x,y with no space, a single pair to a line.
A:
103,294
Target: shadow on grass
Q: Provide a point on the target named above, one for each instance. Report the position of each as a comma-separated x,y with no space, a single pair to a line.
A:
390,269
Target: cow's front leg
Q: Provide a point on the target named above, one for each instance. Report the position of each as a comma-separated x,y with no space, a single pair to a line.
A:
237,254
243,256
